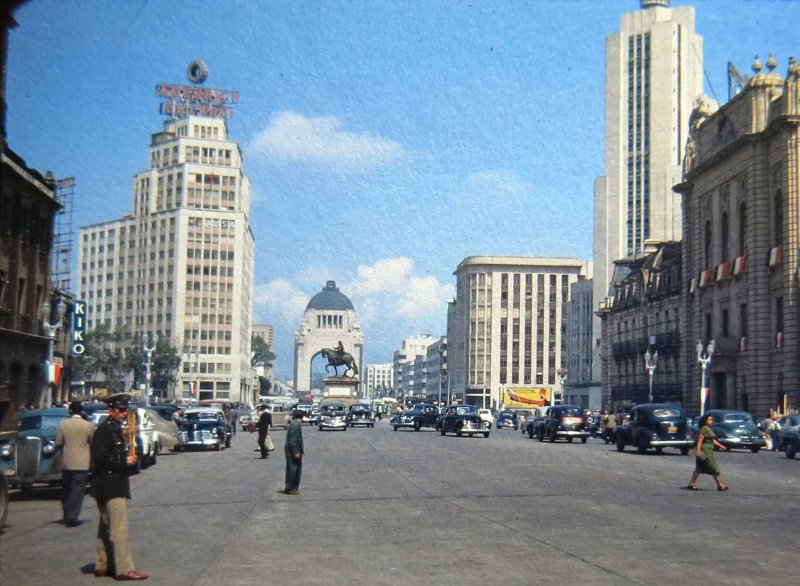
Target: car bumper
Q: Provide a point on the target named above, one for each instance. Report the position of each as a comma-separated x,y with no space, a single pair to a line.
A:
332,425
209,443
672,443
506,425
743,442
366,422
572,433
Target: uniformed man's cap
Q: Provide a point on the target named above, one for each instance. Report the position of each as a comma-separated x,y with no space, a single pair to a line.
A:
119,400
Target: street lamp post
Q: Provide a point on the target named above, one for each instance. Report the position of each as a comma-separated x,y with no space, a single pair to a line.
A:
193,358
562,379
704,358
148,350
50,330
650,362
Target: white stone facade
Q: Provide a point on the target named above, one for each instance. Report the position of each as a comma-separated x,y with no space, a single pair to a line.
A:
180,265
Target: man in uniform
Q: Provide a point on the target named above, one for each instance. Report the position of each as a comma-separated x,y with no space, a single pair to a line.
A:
111,488
74,436
294,453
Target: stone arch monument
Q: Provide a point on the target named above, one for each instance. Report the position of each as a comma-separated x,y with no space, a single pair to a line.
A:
329,320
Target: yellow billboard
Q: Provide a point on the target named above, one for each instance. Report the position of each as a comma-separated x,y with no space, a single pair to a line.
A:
526,398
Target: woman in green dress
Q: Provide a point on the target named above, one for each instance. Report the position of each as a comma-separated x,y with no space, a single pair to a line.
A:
705,462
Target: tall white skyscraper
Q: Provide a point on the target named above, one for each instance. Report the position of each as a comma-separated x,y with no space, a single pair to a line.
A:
654,74
180,264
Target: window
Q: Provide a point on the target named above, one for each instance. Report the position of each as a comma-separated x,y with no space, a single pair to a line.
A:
778,228
742,228
724,235
707,243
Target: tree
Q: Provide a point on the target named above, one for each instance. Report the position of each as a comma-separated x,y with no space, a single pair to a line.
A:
164,363
104,355
262,353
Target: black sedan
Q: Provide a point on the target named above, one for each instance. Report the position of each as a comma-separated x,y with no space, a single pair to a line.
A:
463,419
655,425
736,429
562,421
508,420
360,414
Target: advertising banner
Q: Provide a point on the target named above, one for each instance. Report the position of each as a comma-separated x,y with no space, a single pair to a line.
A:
526,398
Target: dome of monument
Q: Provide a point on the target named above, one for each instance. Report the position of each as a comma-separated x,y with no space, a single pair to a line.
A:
330,299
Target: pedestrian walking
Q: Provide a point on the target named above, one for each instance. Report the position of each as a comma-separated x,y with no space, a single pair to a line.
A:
705,461
111,462
609,427
294,453
264,437
74,437
774,431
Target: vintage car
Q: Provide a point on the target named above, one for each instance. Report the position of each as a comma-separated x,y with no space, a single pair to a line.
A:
487,416
562,421
508,420
332,416
790,429
360,414
167,433
735,429
537,414
791,445
34,457
418,416
205,427
306,408
655,425
463,419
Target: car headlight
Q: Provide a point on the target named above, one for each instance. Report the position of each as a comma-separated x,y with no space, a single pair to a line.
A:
7,451
49,448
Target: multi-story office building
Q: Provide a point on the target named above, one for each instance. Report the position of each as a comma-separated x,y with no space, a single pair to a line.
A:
741,241
437,383
378,380
654,74
266,332
506,328
580,388
407,383
180,264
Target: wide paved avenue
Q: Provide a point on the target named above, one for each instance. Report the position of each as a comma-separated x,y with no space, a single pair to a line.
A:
384,507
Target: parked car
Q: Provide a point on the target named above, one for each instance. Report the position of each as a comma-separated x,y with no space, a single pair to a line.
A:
360,414
562,421
306,408
204,427
735,429
35,458
463,419
332,416
418,416
507,420
655,425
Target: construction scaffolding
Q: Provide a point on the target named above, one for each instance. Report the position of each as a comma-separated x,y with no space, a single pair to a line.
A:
61,257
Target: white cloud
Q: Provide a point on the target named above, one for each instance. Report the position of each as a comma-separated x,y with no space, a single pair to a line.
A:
390,301
498,182
292,137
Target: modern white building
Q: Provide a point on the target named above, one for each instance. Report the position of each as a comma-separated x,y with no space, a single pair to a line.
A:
506,328
180,264
654,74
378,380
437,383
410,374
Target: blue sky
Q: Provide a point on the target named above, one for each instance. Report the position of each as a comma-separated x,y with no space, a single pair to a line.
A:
431,130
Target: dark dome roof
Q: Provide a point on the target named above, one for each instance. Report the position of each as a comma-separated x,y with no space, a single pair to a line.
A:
330,299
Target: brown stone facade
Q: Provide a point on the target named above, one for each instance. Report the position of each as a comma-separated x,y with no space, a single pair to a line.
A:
741,233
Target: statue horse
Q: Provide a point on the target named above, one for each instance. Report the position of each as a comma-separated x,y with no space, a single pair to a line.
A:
336,360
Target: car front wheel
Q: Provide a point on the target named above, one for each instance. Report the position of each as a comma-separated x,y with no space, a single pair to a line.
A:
620,446
789,451
485,434
584,440
417,425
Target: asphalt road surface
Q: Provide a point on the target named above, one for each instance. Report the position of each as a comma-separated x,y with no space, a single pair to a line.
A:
383,507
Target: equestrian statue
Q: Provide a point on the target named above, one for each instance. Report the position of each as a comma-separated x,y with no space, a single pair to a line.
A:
338,357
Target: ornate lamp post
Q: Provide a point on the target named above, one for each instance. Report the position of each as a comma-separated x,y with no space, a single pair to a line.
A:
148,350
650,362
704,358
192,358
50,330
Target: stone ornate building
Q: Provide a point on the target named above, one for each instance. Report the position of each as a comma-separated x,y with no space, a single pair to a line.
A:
741,233
329,318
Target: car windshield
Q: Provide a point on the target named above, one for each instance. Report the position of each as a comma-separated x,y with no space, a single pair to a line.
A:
202,417
333,408
737,418
43,422
465,410
360,408
573,412
666,413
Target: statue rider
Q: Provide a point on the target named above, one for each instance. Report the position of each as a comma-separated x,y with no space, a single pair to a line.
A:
340,350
